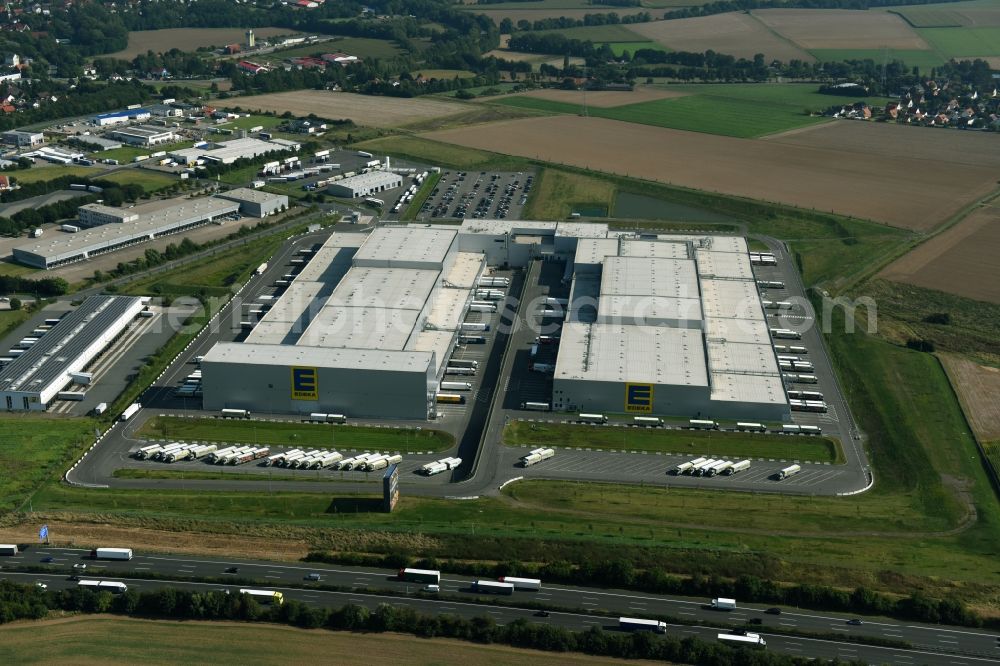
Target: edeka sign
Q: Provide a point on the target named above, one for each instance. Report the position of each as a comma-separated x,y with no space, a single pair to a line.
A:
305,384
639,398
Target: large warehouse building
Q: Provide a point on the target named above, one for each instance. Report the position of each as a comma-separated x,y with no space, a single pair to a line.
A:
119,227
33,379
366,184
364,329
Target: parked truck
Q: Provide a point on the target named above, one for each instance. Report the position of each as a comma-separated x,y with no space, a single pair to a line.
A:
737,467
789,471
537,456
130,411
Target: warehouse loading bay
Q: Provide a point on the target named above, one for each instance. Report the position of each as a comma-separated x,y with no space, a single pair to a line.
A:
516,363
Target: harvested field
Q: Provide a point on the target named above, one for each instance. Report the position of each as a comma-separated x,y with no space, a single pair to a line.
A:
978,387
870,184
736,34
604,99
960,261
189,39
532,15
841,28
362,109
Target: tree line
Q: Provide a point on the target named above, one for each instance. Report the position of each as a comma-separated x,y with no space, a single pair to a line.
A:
28,602
746,588
724,6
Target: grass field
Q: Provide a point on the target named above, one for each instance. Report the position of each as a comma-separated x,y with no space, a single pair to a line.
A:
125,154
963,42
737,445
297,434
8,267
151,181
620,47
925,60
557,193
11,319
188,39
105,639
446,155
46,172
930,17
34,449
254,120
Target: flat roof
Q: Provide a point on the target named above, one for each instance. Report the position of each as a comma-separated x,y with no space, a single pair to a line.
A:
157,221
466,270
447,308
411,245
732,265
438,342
647,276
232,150
514,227
663,249
760,389
320,357
753,331
582,229
360,328
372,178
332,261
733,299
594,250
143,131
742,358
650,310
649,354
253,196
385,288
48,359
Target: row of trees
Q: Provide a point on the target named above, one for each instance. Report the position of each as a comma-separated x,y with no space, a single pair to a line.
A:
45,287
622,574
26,602
507,26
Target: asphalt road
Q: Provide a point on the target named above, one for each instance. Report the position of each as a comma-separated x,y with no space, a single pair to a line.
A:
930,644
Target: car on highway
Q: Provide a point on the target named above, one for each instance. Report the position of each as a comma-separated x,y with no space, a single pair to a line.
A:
41,586
855,622
773,611
755,620
80,565
232,570
313,576
74,577
48,560
542,613
431,588
738,632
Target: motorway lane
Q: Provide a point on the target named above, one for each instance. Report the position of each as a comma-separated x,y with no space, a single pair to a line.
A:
927,637
578,621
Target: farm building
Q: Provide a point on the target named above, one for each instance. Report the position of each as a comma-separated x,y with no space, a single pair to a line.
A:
256,203
364,329
121,228
366,184
143,135
35,377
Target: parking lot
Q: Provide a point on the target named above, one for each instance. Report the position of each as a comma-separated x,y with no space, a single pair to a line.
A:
481,195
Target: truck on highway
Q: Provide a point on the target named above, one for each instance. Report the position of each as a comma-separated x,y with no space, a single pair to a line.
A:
722,603
112,586
748,640
535,406
8,549
130,411
737,467
428,576
265,596
522,583
492,587
789,471
639,624
111,554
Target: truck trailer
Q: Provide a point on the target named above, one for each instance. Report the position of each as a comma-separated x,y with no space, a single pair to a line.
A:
639,624
111,554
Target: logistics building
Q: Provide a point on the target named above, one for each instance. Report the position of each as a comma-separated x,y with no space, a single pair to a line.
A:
366,184
123,227
365,329
120,117
143,135
33,379
256,203
23,138
227,152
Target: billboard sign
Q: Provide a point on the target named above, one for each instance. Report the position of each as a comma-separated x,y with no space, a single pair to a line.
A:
390,488
305,383
639,398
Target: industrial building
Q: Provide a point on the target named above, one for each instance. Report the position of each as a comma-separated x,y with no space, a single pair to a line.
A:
33,379
23,139
365,329
120,117
366,184
227,152
256,203
668,324
124,227
143,135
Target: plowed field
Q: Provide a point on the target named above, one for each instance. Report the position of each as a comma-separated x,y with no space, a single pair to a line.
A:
978,387
882,180
362,109
605,99
841,28
734,33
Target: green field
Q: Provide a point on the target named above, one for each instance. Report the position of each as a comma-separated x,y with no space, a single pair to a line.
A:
620,47
557,193
8,267
925,60
34,449
963,42
150,181
45,172
267,122
125,154
448,74
115,640
693,442
930,17
403,440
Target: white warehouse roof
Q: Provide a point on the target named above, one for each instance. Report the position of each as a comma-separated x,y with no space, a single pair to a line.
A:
408,247
645,276
321,357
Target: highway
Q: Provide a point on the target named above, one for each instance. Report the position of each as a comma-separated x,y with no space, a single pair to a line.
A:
929,644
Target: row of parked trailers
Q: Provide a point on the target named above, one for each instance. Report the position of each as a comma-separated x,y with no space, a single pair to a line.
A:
536,456
763,259
177,451
325,459
710,467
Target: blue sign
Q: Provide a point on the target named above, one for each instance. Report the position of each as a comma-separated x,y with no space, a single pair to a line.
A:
43,533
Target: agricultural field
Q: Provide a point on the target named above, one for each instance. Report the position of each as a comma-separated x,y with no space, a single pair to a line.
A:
736,445
973,13
126,154
448,74
253,120
189,39
977,387
618,48
925,60
965,42
602,98
51,172
34,449
736,34
363,47
840,28
362,109
296,434
105,639
516,12
786,170
558,193
960,261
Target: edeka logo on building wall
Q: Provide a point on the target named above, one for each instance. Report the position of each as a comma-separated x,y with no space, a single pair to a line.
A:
639,398
305,384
